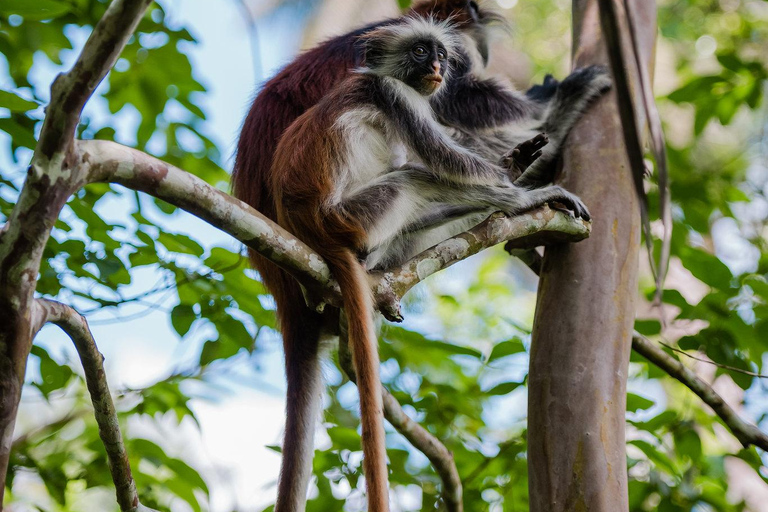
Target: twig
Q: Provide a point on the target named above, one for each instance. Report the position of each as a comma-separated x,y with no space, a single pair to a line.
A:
421,439
746,433
76,327
139,297
713,363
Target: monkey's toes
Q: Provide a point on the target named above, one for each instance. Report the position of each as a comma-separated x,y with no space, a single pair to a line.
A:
573,207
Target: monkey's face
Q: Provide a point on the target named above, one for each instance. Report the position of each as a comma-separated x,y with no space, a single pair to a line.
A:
425,65
467,16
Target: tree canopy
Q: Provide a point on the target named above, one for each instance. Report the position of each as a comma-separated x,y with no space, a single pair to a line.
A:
458,365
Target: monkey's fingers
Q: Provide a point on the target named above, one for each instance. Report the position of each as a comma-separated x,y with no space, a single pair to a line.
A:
560,207
510,158
574,209
540,140
527,152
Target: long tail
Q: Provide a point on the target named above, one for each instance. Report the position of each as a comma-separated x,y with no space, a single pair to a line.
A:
358,305
301,338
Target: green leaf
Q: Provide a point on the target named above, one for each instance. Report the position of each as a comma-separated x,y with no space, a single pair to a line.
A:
15,103
20,135
636,403
503,389
506,348
661,460
54,376
706,268
34,10
176,242
182,318
217,349
648,327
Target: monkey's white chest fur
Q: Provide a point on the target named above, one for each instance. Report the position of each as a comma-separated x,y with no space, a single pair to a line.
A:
374,153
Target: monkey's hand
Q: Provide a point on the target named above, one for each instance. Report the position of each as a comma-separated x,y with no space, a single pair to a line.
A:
523,155
569,203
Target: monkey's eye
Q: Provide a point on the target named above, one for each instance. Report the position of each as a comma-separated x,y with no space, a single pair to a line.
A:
420,51
441,55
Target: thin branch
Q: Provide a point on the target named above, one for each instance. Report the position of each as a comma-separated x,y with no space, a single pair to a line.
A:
76,327
542,226
714,363
421,439
745,432
658,146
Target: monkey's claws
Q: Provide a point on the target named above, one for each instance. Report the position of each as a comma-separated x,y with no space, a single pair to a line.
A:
523,155
569,203
575,210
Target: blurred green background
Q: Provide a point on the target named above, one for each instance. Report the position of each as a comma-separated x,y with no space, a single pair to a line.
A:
189,333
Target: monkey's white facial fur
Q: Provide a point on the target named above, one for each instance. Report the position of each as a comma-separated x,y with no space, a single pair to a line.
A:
418,51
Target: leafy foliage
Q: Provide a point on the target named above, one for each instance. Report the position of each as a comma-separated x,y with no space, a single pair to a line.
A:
460,365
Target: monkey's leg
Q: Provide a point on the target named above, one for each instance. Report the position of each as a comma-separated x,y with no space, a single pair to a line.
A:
441,214
514,200
571,98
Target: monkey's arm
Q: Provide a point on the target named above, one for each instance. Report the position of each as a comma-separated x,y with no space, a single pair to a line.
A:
448,159
565,101
473,104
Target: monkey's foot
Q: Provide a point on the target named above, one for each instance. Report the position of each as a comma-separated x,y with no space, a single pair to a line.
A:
524,154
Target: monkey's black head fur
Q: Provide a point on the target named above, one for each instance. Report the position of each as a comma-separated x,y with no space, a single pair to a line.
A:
419,52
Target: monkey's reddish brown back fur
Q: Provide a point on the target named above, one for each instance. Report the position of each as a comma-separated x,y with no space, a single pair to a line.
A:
294,90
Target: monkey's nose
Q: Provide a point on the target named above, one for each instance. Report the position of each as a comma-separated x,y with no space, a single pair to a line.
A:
436,67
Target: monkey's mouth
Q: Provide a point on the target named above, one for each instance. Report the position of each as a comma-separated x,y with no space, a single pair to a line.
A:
435,79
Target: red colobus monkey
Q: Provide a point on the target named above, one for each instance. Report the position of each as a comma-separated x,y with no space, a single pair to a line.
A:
482,115
348,177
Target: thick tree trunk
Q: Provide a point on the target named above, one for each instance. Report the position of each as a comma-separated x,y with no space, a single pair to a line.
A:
586,308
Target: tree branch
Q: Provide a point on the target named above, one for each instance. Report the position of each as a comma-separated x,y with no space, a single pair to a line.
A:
76,327
746,433
51,180
542,226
